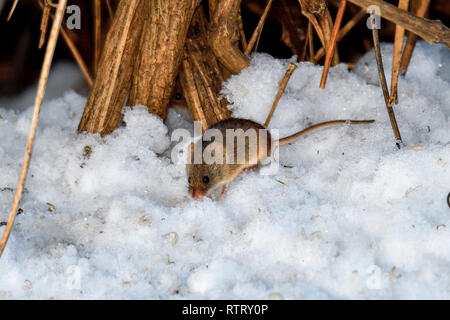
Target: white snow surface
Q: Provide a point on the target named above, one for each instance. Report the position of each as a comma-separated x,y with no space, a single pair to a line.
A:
348,215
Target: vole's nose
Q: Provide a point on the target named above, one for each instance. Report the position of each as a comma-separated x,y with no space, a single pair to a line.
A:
198,194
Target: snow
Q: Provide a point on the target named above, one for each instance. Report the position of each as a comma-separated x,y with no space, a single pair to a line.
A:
348,215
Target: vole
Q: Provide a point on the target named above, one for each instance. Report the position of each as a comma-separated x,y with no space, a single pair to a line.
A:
204,177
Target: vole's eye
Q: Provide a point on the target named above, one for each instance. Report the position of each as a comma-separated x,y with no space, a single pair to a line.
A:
205,179
189,180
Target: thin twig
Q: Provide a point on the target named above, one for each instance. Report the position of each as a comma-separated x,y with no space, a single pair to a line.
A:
311,43
44,23
283,83
331,48
255,47
305,46
412,38
398,45
75,53
97,32
343,31
257,31
12,10
242,33
34,122
110,11
384,87
77,56
4,223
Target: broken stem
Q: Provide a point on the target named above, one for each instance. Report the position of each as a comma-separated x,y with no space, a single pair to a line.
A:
256,33
44,23
283,83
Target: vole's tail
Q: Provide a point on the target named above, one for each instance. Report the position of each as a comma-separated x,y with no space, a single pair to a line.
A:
318,126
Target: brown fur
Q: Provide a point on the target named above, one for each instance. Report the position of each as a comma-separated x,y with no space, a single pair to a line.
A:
219,175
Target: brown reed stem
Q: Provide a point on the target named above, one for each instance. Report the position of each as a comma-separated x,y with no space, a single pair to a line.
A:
343,31
384,87
12,10
283,83
412,38
398,45
97,32
258,29
331,48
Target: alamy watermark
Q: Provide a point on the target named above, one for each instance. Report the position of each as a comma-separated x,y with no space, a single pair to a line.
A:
74,20
374,20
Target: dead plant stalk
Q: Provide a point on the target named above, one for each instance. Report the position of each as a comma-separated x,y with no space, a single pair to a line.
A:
283,83
333,40
412,38
35,120
398,45
384,87
258,29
